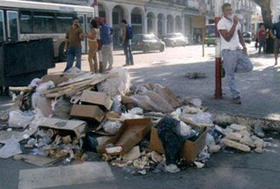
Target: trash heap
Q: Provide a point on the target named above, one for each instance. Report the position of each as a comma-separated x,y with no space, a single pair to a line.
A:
61,117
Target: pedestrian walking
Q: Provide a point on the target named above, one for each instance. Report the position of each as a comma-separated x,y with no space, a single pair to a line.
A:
262,38
73,46
93,47
235,59
127,35
276,37
106,33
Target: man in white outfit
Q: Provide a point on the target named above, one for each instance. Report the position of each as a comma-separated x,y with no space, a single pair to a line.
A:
235,59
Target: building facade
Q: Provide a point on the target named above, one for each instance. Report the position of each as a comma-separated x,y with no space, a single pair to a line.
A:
164,16
275,8
158,16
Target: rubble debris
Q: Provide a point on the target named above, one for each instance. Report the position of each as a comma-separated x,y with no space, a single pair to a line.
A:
236,145
37,160
4,116
258,131
196,102
201,119
42,104
133,154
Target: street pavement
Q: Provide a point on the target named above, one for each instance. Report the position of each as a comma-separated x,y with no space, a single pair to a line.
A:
225,170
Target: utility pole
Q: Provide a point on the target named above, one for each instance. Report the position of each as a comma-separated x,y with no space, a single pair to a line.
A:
218,65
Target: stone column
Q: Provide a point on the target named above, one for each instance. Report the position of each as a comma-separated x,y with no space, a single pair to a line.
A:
155,25
109,16
164,23
145,24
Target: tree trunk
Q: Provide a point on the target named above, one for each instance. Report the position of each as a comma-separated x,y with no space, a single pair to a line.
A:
266,11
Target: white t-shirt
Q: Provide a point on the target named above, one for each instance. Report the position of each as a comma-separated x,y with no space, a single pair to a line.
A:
234,43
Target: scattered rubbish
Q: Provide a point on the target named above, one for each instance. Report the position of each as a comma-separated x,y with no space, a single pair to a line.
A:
97,98
37,160
133,154
68,117
112,127
78,127
130,134
18,119
87,112
11,148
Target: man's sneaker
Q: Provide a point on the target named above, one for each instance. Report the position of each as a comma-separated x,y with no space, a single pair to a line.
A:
237,100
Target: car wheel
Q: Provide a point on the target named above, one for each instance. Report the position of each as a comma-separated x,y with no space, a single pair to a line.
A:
162,48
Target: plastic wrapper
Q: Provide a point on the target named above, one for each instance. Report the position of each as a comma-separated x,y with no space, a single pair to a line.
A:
118,84
136,110
20,119
11,148
62,108
201,119
42,104
112,127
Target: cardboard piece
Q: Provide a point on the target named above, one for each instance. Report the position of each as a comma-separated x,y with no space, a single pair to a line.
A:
190,150
97,98
78,127
87,112
129,135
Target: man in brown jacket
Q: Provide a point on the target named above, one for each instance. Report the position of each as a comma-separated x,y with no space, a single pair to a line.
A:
73,46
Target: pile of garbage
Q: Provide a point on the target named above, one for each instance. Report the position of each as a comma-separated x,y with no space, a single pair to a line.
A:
61,117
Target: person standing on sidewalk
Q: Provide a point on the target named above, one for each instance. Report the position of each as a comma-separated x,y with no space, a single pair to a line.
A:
262,38
235,59
73,46
93,47
127,35
106,33
276,37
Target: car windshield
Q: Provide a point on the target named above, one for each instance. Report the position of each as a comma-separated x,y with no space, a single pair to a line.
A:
149,37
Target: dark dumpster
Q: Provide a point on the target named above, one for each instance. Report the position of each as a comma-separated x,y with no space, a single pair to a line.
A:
20,62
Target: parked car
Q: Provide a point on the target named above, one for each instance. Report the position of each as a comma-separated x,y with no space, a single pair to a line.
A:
210,39
146,43
247,36
175,39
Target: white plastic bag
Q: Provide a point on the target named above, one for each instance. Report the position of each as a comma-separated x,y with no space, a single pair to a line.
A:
184,129
18,119
112,127
11,148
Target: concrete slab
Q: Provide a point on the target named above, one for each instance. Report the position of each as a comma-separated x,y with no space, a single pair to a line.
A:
85,173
